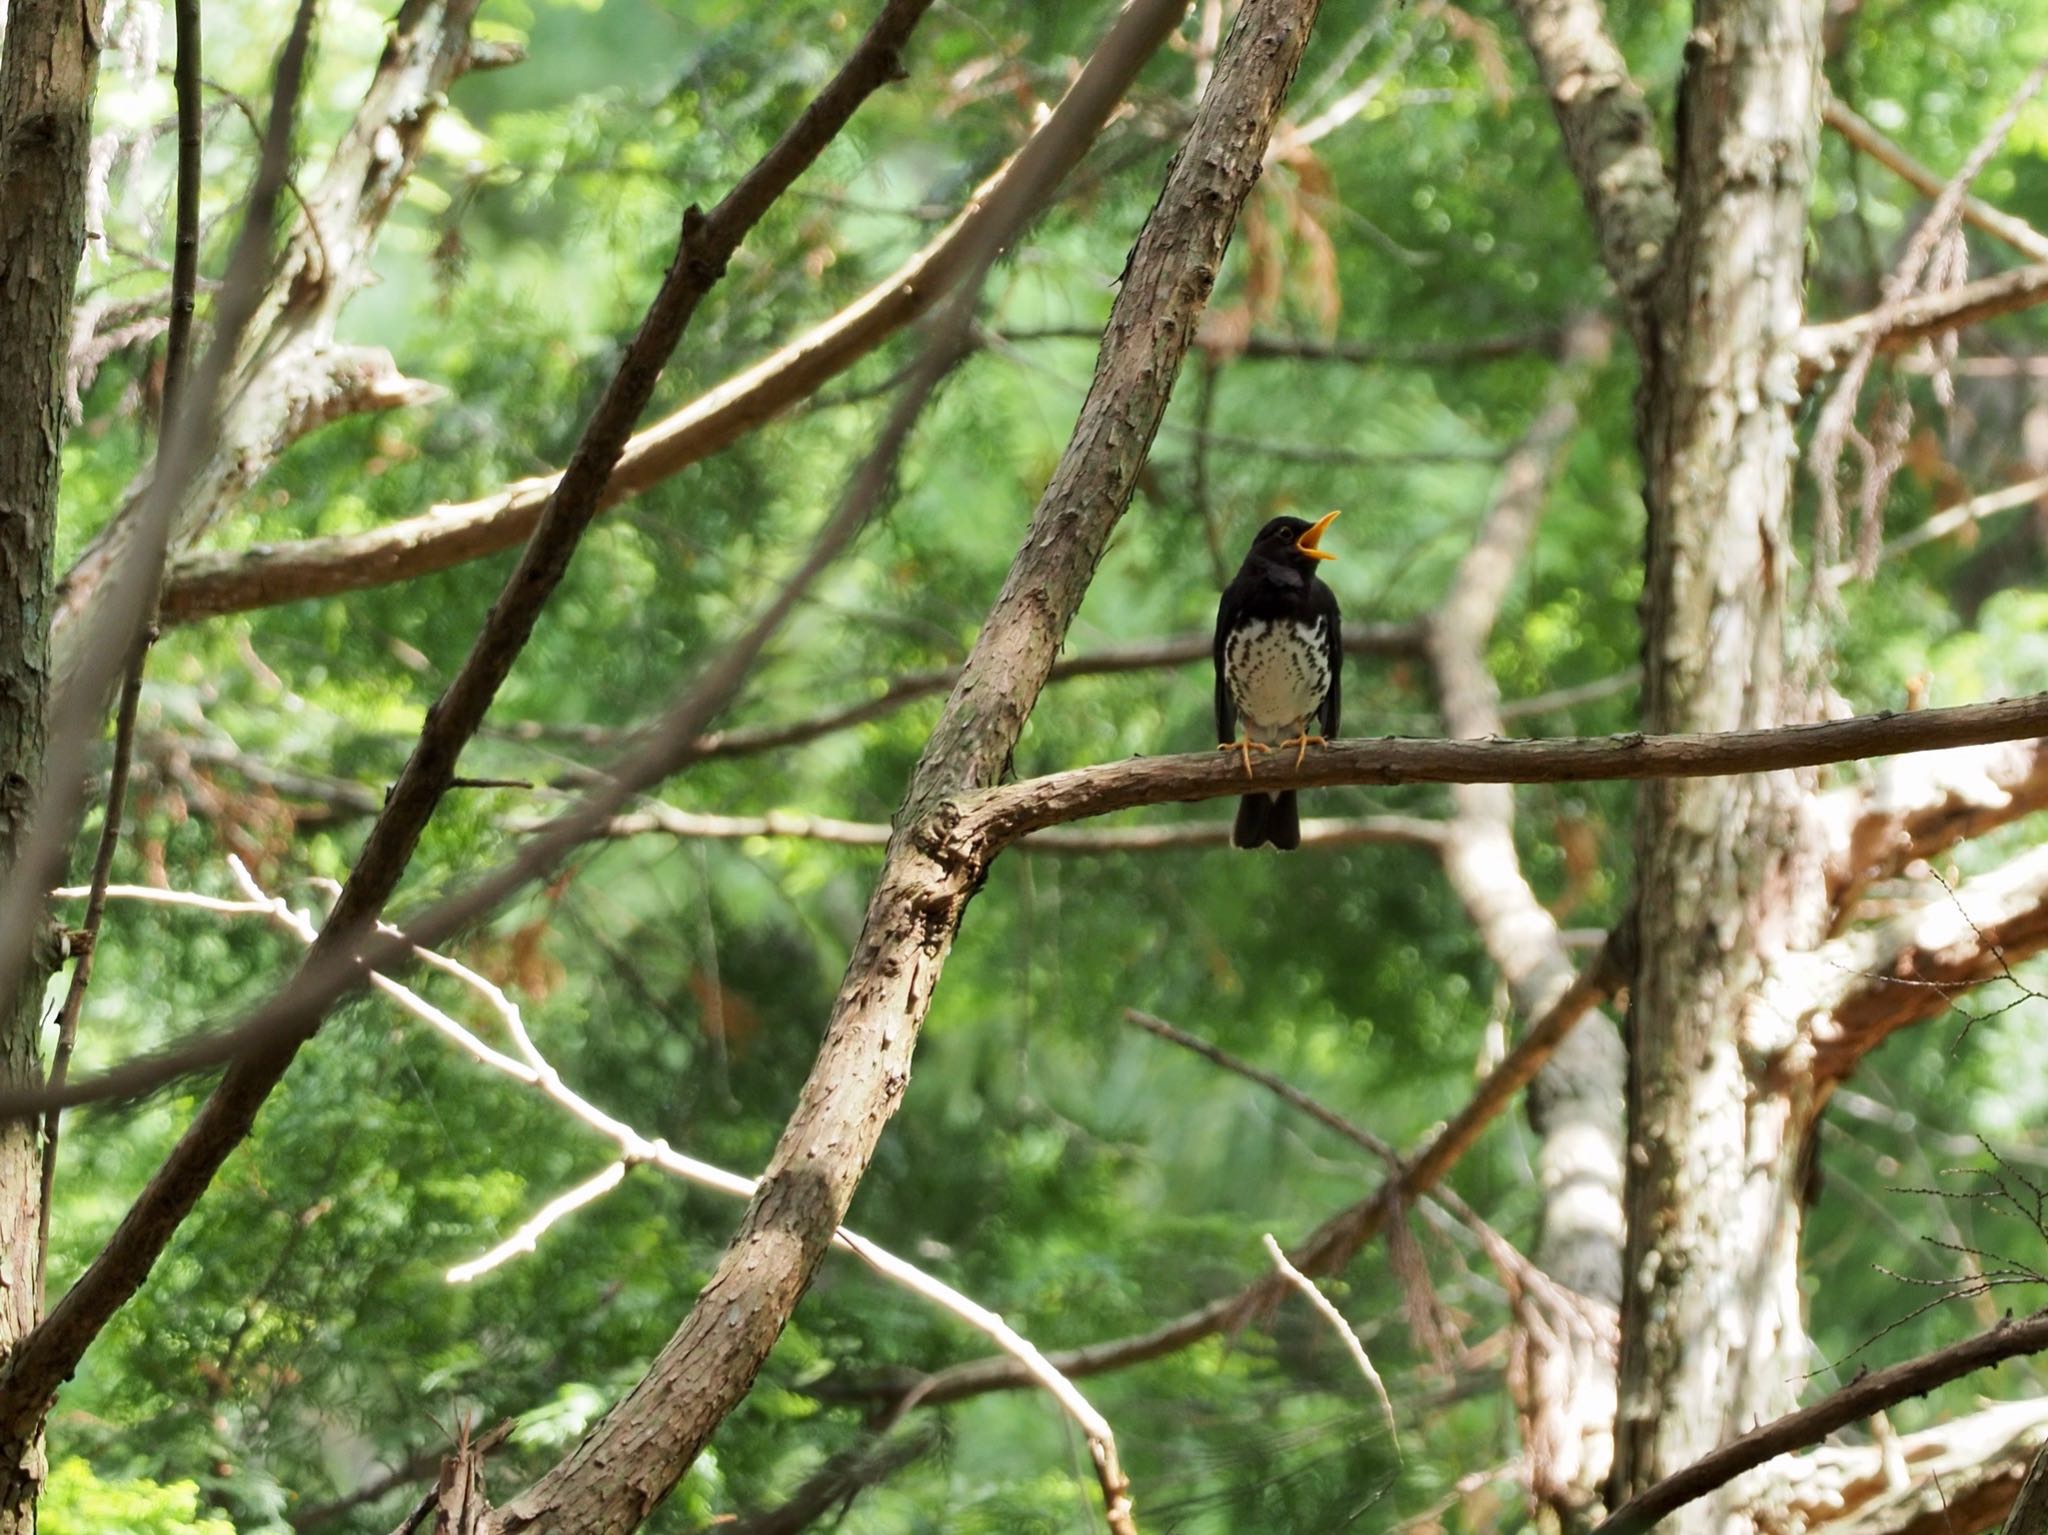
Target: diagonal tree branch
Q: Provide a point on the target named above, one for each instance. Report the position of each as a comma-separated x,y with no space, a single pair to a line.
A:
48,1355
1332,1244
2016,232
205,584
289,376
1867,1394
1611,140
634,1455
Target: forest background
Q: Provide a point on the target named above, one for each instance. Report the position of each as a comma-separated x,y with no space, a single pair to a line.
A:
1412,323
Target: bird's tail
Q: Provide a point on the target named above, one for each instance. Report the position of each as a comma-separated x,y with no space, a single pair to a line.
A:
1263,818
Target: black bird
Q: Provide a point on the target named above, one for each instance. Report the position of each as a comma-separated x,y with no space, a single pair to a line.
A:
1279,654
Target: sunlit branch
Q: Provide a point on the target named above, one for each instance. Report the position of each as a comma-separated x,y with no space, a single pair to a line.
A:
532,1069
1826,346
1344,1330
2016,232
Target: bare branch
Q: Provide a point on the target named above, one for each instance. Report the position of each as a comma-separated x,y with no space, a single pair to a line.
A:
290,376
2016,232
1344,1330
1827,346
1809,1425
995,817
1335,1241
834,1484
668,821
206,584
1417,354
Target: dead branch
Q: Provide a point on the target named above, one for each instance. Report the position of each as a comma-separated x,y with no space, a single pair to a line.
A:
1333,1243
291,377
1327,1309
1826,346
1809,1425
667,821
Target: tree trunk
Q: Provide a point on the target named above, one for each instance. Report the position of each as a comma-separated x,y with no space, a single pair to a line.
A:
49,63
1728,870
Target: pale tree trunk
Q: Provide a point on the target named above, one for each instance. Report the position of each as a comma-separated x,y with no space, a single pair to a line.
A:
49,62
1728,870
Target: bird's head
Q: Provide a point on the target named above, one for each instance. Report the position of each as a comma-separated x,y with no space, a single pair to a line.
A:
1292,543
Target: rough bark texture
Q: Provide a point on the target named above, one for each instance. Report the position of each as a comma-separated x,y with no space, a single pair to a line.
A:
1728,869
629,1462
49,61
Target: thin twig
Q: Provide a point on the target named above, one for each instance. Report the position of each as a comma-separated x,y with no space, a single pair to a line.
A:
2016,232
531,1068
1328,1309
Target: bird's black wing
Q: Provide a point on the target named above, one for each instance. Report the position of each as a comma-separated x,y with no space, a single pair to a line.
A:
1226,709
1333,630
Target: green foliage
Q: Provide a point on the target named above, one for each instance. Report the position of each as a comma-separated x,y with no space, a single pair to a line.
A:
78,1502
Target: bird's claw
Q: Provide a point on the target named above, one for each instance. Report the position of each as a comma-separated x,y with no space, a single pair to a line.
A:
1244,746
1302,743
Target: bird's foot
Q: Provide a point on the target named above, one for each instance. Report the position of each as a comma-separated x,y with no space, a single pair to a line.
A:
1302,743
1244,746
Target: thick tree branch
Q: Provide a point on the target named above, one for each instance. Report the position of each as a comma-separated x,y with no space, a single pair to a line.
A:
1611,140
633,1456
1809,1425
48,1356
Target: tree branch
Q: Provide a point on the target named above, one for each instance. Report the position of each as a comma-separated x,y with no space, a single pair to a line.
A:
1795,1430
289,375
1333,1244
206,584
993,818
2016,232
48,1355
630,1459
1824,347
1359,831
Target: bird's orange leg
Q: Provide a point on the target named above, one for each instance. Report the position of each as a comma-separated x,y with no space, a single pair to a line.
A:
1244,746
1302,743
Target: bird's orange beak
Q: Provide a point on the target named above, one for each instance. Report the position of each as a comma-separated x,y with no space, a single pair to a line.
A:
1308,542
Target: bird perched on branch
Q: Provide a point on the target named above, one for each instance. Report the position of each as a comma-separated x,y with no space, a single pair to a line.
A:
1279,649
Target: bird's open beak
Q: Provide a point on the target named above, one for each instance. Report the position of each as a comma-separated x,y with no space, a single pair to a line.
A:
1308,542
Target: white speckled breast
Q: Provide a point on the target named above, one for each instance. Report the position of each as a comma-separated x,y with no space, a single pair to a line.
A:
1278,672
